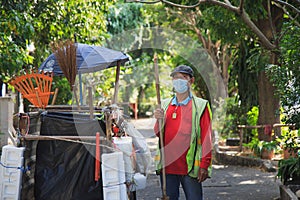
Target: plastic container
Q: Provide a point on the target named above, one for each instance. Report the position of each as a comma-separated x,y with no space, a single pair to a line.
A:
10,173
113,171
124,144
139,182
117,192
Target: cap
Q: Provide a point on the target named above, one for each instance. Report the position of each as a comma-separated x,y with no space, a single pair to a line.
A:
183,69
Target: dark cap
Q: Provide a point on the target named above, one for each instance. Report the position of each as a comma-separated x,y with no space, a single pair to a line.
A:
183,69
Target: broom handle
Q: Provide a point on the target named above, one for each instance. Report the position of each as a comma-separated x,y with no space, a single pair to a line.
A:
160,128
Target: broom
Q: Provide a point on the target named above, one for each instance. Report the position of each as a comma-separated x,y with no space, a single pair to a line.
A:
65,53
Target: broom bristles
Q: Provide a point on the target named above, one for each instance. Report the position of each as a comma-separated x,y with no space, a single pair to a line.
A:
65,53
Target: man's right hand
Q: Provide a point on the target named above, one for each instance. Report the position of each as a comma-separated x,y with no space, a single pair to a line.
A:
159,113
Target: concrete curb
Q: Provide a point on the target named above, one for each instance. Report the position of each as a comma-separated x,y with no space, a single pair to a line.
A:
228,159
286,193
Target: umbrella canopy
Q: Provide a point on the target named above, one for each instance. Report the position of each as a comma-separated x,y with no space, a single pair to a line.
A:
89,58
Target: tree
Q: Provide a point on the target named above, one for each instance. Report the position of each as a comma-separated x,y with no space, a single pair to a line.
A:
264,19
39,23
286,76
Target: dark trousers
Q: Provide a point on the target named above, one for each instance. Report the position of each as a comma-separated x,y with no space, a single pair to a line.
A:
191,187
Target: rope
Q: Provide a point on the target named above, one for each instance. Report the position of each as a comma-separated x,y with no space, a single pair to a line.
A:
17,168
81,142
28,123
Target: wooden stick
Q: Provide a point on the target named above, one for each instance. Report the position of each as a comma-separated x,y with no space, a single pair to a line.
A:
108,124
54,96
59,137
91,102
161,138
115,98
97,157
75,95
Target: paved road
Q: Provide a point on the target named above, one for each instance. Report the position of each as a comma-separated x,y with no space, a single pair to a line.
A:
228,182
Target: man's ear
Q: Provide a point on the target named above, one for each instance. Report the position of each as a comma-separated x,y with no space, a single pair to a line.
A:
192,80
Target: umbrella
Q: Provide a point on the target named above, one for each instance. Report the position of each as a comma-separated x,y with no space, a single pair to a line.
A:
89,58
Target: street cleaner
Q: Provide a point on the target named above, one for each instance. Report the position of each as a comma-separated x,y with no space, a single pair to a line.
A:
187,138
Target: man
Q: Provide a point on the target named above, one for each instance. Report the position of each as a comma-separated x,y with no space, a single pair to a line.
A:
186,131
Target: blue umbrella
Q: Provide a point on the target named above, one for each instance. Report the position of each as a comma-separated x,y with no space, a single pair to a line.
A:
89,58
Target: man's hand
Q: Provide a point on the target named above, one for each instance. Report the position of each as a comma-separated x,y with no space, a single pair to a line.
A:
159,113
202,175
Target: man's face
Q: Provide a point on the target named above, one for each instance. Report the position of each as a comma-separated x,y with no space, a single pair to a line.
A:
183,76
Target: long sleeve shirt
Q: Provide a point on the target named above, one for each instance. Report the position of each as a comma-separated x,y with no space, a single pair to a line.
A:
178,128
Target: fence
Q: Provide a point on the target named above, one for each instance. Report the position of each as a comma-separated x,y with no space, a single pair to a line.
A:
243,127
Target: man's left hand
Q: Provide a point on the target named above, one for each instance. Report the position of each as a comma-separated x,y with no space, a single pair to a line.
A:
202,175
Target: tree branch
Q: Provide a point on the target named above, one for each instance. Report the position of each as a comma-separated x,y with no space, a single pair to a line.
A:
241,6
288,14
179,5
142,1
225,4
270,19
238,10
288,5
244,16
264,40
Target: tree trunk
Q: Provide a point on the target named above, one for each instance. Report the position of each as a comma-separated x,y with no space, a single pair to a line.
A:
268,105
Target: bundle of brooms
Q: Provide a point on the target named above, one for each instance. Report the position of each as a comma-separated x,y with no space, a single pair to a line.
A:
65,53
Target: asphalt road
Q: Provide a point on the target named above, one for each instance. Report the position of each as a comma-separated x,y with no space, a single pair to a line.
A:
228,182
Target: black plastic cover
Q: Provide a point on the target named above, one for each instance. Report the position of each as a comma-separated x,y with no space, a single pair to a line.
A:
65,170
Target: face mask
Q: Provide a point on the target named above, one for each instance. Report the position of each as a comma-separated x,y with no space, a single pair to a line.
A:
180,85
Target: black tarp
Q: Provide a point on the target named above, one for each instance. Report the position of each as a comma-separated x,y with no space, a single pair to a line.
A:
65,170
27,189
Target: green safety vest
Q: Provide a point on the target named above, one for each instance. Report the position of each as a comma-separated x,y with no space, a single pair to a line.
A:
194,154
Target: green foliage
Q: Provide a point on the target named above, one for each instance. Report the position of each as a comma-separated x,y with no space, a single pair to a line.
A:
223,25
243,75
257,145
15,32
289,169
121,17
234,117
41,22
64,91
289,139
272,145
286,77
255,8
252,117
103,84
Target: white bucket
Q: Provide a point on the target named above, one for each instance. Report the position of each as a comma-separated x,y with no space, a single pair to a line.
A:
139,182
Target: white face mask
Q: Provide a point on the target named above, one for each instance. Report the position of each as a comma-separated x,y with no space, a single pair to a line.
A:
180,85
